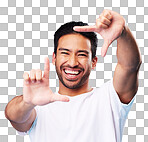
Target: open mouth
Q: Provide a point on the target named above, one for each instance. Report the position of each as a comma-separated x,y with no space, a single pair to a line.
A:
72,74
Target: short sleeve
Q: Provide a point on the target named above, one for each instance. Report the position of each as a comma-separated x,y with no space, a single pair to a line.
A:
120,109
124,108
33,125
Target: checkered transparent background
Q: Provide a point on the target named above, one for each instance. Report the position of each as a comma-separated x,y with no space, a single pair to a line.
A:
26,37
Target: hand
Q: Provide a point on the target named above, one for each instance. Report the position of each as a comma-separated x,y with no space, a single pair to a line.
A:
109,25
36,89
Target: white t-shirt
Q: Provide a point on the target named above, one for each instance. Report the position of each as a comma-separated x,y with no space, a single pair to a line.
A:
96,116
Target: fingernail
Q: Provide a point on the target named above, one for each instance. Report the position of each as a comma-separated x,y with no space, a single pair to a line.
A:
75,28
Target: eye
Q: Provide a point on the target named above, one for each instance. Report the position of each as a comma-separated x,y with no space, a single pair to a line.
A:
82,55
64,53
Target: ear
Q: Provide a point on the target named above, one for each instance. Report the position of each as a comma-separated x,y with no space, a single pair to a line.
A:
53,58
94,62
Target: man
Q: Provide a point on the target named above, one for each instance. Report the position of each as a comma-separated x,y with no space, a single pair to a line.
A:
79,113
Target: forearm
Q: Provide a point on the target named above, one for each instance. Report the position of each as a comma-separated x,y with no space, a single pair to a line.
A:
128,54
18,111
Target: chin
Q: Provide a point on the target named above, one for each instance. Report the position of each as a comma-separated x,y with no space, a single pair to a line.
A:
72,85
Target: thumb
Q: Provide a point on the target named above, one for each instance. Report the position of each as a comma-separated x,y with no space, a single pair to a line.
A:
56,97
105,46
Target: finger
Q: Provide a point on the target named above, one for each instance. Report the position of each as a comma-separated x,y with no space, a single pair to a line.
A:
62,98
100,25
26,76
105,48
46,67
32,75
104,20
85,28
38,75
107,14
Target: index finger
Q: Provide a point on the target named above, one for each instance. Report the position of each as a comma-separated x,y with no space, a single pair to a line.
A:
85,28
46,68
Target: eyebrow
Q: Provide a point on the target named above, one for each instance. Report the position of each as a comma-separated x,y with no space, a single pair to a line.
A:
64,49
85,51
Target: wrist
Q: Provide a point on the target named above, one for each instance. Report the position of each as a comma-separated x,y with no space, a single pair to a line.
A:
27,105
123,33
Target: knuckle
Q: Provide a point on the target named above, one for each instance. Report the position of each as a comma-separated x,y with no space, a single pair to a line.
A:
32,78
102,19
98,24
106,13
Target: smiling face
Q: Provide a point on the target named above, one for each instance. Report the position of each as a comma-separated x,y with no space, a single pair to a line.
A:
73,61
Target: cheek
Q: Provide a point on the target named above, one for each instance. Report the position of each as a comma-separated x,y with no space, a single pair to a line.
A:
86,63
59,62
86,60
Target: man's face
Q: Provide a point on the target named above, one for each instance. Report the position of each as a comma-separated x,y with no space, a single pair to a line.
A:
73,60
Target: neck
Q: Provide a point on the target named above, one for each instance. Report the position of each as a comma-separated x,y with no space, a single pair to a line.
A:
74,92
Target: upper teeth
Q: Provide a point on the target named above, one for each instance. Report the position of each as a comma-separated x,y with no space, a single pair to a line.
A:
71,72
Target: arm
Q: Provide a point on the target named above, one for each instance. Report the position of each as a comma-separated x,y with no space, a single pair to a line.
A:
125,78
20,114
111,26
36,91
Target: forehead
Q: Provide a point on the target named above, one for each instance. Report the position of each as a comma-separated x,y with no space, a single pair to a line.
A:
74,42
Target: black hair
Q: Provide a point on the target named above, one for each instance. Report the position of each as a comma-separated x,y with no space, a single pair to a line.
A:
67,28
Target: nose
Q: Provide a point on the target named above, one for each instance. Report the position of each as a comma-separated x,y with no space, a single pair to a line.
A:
73,61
